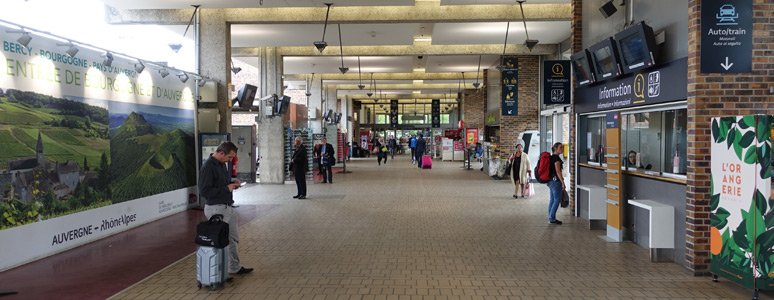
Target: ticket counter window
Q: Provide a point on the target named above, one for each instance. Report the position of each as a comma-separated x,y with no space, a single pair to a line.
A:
592,142
655,142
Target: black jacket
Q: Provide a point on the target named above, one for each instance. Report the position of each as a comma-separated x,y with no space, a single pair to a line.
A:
328,149
213,183
300,162
421,146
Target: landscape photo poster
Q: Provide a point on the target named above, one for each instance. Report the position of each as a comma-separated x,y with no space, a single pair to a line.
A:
742,219
90,146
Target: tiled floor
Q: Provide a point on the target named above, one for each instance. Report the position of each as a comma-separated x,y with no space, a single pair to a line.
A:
397,232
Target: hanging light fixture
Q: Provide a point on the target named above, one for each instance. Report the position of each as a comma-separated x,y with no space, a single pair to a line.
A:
320,45
373,86
308,94
501,67
529,43
235,69
341,52
176,47
476,84
359,74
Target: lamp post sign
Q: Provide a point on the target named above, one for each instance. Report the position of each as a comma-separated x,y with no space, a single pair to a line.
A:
726,36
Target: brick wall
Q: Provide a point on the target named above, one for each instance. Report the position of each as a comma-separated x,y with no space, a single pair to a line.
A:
576,44
714,95
529,107
474,107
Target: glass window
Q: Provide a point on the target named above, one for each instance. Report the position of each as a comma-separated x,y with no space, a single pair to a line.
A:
655,141
382,119
445,119
641,141
592,142
675,140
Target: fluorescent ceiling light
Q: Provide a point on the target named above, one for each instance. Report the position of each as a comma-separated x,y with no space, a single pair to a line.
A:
423,39
416,92
418,81
419,70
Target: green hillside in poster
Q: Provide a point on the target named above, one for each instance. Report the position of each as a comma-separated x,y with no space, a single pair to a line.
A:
53,156
152,150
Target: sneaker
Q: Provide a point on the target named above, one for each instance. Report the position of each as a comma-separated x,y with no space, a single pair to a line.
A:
514,196
557,222
244,270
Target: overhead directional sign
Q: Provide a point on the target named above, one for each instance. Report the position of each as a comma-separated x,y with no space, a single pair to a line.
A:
510,84
726,36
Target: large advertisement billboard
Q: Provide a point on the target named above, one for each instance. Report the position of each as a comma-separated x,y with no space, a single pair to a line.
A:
92,144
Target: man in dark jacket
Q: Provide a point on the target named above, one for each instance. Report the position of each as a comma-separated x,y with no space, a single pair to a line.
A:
393,145
299,165
326,155
216,188
421,145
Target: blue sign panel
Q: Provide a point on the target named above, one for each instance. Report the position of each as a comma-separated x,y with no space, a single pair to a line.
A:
726,36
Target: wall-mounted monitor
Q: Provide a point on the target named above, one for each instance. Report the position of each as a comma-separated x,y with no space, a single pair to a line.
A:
337,119
327,115
582,68
282,105
636,45
246,96
605,59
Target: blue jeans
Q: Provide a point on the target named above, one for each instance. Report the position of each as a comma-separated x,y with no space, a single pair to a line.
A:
555,187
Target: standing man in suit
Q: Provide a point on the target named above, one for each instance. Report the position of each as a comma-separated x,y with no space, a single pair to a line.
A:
326,155
421,145
299,165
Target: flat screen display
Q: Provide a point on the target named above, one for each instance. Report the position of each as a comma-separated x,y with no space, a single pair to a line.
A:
632,50
581,68
605,61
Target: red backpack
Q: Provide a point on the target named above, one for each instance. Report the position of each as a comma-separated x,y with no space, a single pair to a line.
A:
543,168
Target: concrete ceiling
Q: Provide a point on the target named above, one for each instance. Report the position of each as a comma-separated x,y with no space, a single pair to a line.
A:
171,4
490,2
284,35
331,64
494,32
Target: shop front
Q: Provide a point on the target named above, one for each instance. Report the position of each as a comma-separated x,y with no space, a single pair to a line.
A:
631,157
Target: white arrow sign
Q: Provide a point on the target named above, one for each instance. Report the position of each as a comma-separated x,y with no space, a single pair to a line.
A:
726,65
510,112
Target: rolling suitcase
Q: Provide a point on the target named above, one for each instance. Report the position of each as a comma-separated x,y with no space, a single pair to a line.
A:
211,268
211,256
427,162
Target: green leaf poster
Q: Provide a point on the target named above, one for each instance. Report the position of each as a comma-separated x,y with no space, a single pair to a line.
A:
742,219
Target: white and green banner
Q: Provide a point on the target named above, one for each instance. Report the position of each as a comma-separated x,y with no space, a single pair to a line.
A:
742,219
88,148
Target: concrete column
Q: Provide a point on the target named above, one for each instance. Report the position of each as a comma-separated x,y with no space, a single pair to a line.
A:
271,137
214,55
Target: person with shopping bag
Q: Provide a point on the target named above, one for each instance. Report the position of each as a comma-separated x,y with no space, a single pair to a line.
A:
520,170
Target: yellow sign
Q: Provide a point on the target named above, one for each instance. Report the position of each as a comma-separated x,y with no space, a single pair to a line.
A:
639,88
558,70
491,118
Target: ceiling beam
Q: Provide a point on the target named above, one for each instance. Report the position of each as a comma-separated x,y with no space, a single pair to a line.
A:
387,76
422,12
407,50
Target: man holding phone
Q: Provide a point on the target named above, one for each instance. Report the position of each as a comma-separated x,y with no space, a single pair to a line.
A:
217,189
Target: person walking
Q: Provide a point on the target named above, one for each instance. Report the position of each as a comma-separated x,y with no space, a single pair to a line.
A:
326,154
380,152
316,158
413,146
556,183
299,166
420,150
393,145
520,170
217,189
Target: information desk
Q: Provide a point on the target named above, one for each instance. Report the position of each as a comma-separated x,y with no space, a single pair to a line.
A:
597,208
661,224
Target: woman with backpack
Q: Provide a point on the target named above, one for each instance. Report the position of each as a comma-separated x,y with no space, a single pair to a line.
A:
520,169
556,183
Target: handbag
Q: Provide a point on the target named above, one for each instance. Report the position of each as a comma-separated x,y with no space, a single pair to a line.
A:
384,149
212,233
565,199
529,190
331,161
